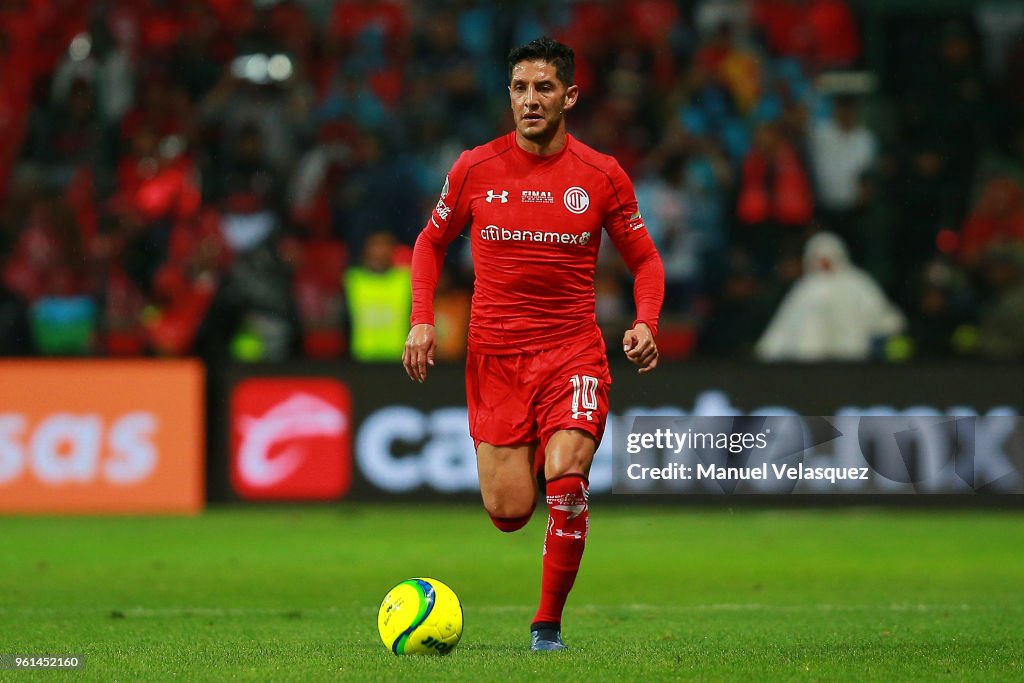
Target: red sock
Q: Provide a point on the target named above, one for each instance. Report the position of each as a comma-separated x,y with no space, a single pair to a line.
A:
568,521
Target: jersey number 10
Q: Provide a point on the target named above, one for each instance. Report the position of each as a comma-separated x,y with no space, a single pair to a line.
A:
584,396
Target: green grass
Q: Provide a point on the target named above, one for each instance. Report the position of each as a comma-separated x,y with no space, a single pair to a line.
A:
276,594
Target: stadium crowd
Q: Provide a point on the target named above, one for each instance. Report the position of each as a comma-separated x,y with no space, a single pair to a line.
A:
244,178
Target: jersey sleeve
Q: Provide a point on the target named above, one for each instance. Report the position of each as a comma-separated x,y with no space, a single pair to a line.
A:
625,226
449,217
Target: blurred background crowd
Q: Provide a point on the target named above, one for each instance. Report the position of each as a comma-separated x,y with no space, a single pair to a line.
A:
245,178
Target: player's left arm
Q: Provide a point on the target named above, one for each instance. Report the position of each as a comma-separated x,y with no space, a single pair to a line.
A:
625,227
450,216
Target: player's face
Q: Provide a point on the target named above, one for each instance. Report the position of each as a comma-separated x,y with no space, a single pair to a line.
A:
539,99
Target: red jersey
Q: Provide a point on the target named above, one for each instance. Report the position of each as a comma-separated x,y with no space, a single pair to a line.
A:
535,228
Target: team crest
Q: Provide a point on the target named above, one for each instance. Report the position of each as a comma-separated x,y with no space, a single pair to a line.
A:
576,200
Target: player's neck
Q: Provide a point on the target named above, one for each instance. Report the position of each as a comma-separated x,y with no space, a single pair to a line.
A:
543,148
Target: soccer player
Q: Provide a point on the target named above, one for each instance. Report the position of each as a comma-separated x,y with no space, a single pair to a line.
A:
537,375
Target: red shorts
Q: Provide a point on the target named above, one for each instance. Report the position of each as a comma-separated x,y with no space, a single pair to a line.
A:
524,398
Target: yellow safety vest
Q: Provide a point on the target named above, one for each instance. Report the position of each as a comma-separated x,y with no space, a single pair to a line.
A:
379,306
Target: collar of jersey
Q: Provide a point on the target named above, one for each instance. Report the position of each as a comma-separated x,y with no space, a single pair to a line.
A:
539,158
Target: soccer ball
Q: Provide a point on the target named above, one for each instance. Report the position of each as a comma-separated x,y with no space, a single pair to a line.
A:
420,617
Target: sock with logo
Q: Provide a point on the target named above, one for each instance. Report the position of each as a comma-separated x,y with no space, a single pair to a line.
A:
568,521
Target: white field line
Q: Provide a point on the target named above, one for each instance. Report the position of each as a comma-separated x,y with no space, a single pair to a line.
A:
228,612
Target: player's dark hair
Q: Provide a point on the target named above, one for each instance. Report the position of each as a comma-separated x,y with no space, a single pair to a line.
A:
548,50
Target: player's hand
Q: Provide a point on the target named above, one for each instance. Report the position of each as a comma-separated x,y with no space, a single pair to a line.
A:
419,351
638,344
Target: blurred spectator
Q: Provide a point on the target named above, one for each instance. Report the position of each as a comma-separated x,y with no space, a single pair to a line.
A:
179,305
253,316
939,313
1001,329
246,222
440,58
385,20
96,58
835,311
157,185
1000,24
377,195
163,107
248,94
311,193
375,34
740,312
156,178
657,33
957,93
48,257
943,122
246,169
319,294
709,15
820,33
843,151
667,216
123,310
65,134
15,329
708,180
64,320
379,295
349,97
997,219
708,111
193,63
737,69
775,202
615,130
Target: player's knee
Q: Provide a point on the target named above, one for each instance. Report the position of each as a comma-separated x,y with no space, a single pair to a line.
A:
510,524
561,467
573,453
510,515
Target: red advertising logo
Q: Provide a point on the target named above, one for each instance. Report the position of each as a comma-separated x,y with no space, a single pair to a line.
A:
291,439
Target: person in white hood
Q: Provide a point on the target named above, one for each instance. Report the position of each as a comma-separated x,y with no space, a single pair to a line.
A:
833,312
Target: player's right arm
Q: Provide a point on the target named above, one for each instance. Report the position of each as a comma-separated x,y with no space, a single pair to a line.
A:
447,219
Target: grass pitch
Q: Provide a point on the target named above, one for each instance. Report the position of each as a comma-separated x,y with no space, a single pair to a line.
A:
275,594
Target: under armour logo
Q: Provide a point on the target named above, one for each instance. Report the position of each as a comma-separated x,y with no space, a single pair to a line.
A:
492,195
578,535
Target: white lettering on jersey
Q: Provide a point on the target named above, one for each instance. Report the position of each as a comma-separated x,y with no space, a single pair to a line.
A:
494,233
